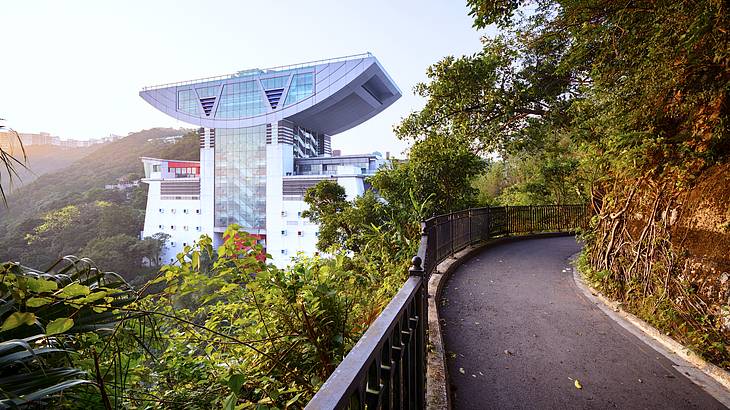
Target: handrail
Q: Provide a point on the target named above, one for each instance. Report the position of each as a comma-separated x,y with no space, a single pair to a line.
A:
264,70
387,366
372,373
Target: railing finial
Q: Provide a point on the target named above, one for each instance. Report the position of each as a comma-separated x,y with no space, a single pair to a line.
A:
416,269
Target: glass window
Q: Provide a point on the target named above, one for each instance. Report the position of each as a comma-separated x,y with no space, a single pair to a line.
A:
302,86
240,177
187,102
207,92
240,100
276,82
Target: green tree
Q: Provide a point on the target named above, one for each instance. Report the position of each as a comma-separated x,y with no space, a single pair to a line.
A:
119,219
120,253
439,173
326,202
342,224
150,247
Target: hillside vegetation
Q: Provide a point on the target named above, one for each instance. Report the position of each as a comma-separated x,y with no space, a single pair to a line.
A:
45,159
69,211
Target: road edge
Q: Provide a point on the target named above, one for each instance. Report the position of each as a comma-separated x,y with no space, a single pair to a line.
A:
711,378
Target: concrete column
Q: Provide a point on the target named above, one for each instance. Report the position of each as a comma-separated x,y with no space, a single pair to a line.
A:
207,188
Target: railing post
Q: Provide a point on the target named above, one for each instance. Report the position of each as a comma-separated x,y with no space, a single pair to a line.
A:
451,231
416,269
532,219
469,222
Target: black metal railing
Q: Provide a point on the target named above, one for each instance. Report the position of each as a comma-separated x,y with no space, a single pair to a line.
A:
387,367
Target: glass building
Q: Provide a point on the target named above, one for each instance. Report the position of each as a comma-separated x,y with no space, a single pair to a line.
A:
260,129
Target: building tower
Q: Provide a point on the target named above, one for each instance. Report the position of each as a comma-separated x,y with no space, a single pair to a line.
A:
264,139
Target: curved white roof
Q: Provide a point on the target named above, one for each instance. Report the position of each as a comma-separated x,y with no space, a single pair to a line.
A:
328,96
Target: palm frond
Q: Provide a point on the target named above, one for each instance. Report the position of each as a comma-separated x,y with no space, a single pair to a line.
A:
10,162
36,366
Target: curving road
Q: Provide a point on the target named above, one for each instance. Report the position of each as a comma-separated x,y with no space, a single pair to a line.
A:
518,333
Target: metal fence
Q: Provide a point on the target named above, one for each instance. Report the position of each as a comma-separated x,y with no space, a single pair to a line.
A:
386,368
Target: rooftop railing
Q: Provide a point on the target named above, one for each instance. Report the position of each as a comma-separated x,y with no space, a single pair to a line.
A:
386,369
257,71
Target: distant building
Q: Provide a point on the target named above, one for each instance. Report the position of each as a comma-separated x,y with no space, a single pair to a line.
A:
44,138
122,186
265,139
167,140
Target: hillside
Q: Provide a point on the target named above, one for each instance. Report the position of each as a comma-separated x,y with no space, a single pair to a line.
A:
44,159
96,169
69,211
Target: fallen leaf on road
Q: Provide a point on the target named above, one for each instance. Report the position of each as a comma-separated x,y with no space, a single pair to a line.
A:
577,384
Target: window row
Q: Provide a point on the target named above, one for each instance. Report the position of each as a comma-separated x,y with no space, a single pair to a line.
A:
174,211
183,170
299,233
173,227
299,214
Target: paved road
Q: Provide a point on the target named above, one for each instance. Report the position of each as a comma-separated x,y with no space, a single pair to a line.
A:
522,332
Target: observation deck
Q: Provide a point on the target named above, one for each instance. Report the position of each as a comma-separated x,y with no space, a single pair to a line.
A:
324,96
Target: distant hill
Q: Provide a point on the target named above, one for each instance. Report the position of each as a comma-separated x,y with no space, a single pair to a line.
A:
44,159
56,188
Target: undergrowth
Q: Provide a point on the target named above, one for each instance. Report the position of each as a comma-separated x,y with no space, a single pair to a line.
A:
663,313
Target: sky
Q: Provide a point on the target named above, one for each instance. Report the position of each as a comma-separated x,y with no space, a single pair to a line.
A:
74,68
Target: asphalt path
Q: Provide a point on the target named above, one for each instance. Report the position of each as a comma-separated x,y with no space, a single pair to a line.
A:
518,333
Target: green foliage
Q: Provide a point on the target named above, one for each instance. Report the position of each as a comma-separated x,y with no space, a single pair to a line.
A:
343,225
438,173
104,166
218,328
233,331
151,248
70,211
326,202
66,303
115,219
120,253
547,176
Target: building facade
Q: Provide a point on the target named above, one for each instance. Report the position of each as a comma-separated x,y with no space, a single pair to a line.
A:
265,137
